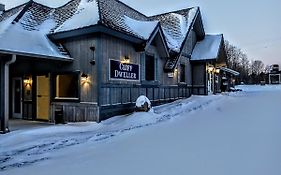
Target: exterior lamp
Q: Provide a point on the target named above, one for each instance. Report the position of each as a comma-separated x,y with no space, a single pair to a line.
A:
210,69
125,60
85,78
27,81
217,70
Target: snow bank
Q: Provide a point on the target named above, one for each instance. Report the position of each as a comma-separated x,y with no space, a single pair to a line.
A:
142,100
218,135
259,88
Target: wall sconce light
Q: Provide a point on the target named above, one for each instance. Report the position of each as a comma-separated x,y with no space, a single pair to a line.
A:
84,76
217,70
210,69
126,59
27,81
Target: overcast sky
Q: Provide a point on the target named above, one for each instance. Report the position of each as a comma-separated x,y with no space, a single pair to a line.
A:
252,25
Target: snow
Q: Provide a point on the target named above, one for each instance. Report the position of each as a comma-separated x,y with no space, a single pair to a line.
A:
230,71
141,100
87,14
16,39
232,133
50,3
208,48
184,23
4,25
141,28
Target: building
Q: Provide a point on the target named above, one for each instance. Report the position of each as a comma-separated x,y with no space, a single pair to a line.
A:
274,74
90,59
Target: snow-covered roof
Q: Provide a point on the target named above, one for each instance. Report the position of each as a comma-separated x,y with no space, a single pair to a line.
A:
176,26
208,48
230,71
50,3
24,30
36,21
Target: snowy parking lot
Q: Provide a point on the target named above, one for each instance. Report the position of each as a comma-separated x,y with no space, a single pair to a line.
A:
231,133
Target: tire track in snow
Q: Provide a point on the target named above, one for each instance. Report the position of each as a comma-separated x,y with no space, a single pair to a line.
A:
39,152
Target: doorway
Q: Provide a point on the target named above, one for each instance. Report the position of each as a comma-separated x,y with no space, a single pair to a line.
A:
17,98
43,98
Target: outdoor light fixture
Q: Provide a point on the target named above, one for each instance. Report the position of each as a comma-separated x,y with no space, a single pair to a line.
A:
210,69
126,59
27,81
85,78
217,70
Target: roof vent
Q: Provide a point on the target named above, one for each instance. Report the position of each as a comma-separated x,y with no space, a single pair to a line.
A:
2,8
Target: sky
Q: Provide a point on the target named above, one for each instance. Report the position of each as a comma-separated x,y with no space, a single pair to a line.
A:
254,26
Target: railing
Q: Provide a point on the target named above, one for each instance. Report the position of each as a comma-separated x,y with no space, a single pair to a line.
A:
121,94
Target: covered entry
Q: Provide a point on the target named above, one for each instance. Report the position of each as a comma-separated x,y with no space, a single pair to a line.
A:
26,88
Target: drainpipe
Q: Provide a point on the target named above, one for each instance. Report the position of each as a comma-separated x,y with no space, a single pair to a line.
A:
6,91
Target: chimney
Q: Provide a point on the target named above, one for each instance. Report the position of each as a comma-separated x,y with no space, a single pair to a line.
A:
2,8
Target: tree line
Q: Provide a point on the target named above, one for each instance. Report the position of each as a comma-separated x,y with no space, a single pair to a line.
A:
251,71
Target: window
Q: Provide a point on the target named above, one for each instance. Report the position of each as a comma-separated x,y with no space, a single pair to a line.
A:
182,73
149,68
67,86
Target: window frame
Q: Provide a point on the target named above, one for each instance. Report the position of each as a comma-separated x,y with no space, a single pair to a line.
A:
154,67
54,87
182,73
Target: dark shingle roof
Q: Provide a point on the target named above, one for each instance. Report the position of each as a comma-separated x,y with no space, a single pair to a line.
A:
112,14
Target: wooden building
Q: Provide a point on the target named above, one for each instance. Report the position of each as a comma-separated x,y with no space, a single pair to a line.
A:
90,59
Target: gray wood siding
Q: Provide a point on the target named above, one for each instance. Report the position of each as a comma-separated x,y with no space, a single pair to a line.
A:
116,49
79,49
184,59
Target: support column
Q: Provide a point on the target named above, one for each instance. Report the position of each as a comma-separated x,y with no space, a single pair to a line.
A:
2,98
4,93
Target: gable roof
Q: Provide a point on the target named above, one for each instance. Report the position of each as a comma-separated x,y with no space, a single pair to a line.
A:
80,14
208,48
24,30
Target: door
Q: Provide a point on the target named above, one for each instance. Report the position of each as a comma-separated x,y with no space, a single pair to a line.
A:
43,97
17,98
210,83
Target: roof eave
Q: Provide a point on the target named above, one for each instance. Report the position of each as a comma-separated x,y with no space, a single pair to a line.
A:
97,28
33,55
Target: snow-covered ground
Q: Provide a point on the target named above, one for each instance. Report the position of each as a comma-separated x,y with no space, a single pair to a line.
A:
228,134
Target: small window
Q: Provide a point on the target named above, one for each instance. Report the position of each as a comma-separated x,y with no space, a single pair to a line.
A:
182,73
67,86
149,68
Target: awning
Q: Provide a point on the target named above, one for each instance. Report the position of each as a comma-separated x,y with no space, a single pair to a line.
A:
230,71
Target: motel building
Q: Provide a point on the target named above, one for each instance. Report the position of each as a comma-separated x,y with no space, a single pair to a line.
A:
91,60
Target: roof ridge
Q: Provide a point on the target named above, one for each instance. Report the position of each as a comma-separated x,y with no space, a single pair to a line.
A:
174,11
130,8
18,6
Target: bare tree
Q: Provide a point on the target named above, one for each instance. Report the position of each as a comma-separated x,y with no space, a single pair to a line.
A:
257,67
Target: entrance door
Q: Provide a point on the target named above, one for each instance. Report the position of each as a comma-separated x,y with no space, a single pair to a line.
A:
17,98
43,97
210,83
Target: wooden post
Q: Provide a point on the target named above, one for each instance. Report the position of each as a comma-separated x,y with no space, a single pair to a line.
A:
2,98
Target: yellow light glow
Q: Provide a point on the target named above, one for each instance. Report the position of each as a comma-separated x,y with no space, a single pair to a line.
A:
85,79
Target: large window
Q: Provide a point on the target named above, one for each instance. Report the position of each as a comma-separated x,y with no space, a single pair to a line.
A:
67,86
182,73
149,68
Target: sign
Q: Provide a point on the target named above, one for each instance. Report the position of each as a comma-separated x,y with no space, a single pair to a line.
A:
124,71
